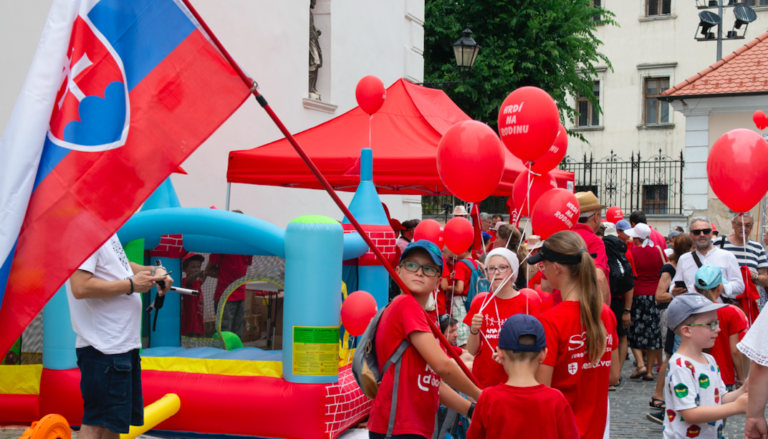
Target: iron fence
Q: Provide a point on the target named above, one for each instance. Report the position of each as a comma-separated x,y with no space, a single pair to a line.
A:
653,185
442,205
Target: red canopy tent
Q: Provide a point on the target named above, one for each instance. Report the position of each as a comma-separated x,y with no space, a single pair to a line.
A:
404,137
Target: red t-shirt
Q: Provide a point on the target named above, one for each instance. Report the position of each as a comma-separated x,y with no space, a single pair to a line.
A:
744,320
730,323
231,268
631,261
417,395
658,238
487,371
523,412
594,245
463,273
583,385
648,261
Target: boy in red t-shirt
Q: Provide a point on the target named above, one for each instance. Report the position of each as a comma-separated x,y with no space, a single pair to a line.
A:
455,283
522,407
424,363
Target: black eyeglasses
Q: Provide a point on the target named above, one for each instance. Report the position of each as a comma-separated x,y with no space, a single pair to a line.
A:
413,267
700,231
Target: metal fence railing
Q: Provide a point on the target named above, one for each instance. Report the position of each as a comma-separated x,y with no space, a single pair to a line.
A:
653,185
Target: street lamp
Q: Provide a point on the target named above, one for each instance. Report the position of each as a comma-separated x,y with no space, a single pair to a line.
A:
465,50
743,13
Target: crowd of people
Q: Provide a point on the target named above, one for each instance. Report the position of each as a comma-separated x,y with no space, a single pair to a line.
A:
548,341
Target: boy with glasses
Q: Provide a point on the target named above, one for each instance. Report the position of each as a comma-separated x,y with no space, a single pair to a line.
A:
696,397
705,253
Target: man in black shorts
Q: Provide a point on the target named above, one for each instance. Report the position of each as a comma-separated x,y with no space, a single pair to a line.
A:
106,317
621,281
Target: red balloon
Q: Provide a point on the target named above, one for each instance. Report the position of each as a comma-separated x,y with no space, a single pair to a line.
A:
614,215
539,185
528,123
760,120
554,154
470,160
532,297
430,230
479,297
370,94
357,311
736,171
458,235
556,210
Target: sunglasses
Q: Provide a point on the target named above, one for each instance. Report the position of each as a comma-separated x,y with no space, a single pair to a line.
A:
700,231
712,325
413,267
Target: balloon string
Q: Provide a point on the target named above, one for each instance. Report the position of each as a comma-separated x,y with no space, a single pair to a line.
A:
453,284
745,241
370,123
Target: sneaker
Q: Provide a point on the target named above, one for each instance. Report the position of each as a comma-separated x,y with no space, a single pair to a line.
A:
656,417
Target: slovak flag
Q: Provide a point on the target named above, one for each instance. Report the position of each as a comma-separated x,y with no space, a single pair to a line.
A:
120,92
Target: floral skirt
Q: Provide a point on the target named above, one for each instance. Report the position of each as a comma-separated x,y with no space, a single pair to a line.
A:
645,332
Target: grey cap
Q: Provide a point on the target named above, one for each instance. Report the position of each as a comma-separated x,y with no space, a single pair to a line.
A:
688,304
672,234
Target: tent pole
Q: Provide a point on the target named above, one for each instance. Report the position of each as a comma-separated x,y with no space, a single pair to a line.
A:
253,86
226,205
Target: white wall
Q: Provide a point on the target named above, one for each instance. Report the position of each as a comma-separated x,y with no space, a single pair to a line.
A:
270,39
665,47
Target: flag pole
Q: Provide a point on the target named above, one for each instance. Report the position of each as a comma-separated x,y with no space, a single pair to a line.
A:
253,86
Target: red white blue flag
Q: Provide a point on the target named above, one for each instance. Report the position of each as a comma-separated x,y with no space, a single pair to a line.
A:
120,92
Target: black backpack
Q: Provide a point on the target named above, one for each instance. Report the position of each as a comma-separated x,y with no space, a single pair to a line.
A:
621,278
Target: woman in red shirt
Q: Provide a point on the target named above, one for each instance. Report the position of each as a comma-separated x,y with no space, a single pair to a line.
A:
485,326
424,363
582,358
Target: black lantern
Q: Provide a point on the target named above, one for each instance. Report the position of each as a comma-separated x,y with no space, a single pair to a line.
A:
465,50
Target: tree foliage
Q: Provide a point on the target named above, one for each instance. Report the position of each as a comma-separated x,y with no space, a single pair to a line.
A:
550,44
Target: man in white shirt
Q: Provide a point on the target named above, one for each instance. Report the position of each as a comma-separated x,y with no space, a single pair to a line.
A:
707,254
106,317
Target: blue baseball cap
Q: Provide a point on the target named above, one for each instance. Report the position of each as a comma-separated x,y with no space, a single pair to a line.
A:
519,325
433,251
623,225
709,277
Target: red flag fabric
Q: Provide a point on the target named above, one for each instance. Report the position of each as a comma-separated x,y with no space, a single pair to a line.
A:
142,98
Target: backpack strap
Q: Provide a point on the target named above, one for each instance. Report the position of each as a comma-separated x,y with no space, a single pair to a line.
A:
696,259
395,358
722,242
470,264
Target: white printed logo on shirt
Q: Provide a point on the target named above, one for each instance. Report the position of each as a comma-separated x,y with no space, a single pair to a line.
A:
573,368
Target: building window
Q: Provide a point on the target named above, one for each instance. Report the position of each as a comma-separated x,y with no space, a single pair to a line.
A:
589,116
754,2
597,4
656,111
655,199
658,7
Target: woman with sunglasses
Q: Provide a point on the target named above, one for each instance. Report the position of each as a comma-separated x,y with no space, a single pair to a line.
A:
582,343
424,364
486,317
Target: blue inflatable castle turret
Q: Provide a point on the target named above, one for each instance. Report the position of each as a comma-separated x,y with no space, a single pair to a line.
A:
369,212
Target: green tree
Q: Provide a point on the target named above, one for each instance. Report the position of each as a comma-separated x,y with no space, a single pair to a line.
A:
550,44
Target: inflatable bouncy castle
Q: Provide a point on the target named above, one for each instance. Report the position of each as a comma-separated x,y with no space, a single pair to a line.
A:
304,390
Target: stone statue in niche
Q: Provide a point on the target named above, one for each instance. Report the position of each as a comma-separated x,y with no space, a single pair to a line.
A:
315,54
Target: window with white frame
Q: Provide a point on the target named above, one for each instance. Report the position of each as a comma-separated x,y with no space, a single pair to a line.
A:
656,111
589,116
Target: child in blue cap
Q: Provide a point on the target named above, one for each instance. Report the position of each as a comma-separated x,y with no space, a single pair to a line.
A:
424,363
522,407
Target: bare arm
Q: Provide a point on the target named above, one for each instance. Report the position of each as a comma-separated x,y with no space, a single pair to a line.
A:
738,361
544,374
452,400
458,287
85,286
605,287
444,285
711,413
444,366
474,340
626,319
756,426
662,290
762,277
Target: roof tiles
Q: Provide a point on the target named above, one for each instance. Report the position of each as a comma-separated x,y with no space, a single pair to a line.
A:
743,71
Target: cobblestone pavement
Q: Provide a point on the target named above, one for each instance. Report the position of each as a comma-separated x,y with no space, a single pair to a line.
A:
629,405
